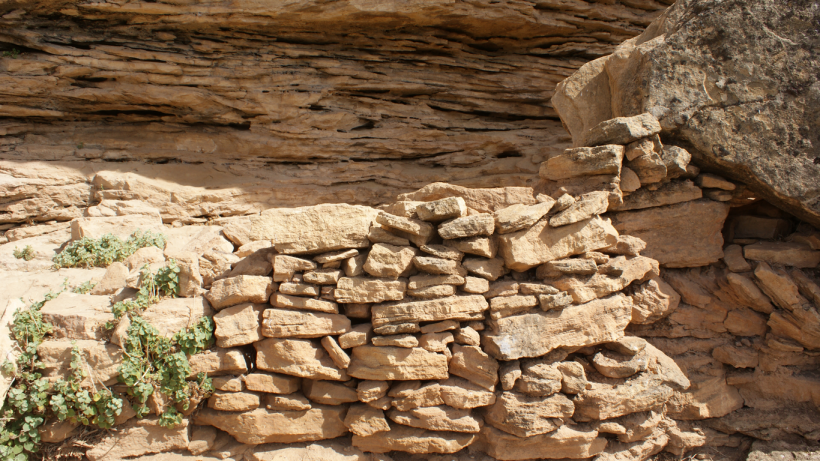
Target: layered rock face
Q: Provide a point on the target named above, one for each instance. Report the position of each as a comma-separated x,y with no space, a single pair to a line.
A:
735,82
212,110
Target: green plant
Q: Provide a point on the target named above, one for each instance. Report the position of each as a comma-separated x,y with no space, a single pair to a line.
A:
152,288
13,54
26,253
80,145
88,252
84,287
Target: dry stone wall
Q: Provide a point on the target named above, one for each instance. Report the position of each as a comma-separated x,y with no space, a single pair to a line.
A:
667,310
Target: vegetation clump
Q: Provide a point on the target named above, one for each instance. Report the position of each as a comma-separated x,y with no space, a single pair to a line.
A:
109,248
27,253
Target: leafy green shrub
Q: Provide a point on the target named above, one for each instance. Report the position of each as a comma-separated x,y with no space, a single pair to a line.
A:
83,288
26,253
88,252
13,54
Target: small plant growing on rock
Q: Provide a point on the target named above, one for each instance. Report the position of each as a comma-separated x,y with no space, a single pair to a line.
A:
88,252
27,253
13,54
84,287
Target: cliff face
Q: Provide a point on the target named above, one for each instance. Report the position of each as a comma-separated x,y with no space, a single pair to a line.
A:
229,108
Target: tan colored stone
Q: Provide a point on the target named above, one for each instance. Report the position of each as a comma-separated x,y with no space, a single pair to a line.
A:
510,305
55,431
573,377
585,207
708,397
297,289
294,402
427,280
438,266
541,243
389,261
681,235
297,357
359,335
101,360
364,420
454,308
143,256
238,325
308,304
439,210
379,234
202,439
439,291
535,334
471,363
227,383
733,257
328,392
284,267
271,383
615,365
218,362
368,290
413,440
490,269
482,200
749,293
113,280
76,316
314,229
336,353
404,340
281,323
614,276
644,157
480,225
565,442
242,289
779,287
233,401
519,217
476,285
736,356
252,247
442,251
357,311
438,418
264,426
369,391
323,276
130,439
652,301
537,289
435,342
460,393
389,363
502,288
745,322
783,253
583,161
714,181
527,416
479,246
556,301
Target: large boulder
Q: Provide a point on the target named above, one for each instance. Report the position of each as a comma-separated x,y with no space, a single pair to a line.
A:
735,81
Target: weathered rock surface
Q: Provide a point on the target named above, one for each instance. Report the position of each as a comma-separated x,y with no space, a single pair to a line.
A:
298,357
315,229
264,426
389,363
413,440
564,442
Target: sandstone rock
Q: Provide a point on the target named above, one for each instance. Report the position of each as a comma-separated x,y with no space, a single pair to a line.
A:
438,291
389,363
55,431
241,289
735,356
252,247
676,160
436,342
308,304
438,327
476,285
526,249
314,229
573,377
238,325
378,234
471,363
281,323
572,266
480,225
295,402
328,392
202,439
439,418
613,365
745,322
367,290
284,267
233,401
264,426
460,393
427,280
652,301
482,200
418,232
323,276
408,341
539,377
227,383
629,181
411,394
102,361
783,253
535,334
455,308
297,289
508,373
526,416
806,235
369,391
708,180
443,251
389,261
271,383
733,257
120,226
336,353
537,289
143,256
467,336
604,401
668,194
623,271
626,245
510,305
113,280
338,255
413,440
358,335
644,158
438,266
780,288
519,217
565,442
585,207
297,357
130,440
439,210
623,130
480,246
354,267
583,161
749,293
218,362
76,316
502,288
364,420
709,397
682,235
